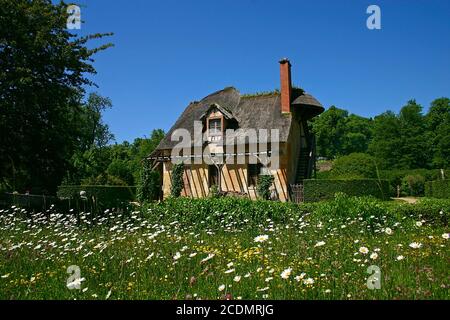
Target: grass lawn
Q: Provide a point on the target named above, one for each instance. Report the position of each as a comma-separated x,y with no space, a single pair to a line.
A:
316,255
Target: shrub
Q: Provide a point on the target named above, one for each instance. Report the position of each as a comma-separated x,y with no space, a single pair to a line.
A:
413,185
214,192
396,176
227,211
317,190
149,186
433,211
438,189
177,180
223,210
263,187
354,165
342,207
97,198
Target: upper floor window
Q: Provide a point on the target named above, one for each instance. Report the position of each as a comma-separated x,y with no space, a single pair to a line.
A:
215,127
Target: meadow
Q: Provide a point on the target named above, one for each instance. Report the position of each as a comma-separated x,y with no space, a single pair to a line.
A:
229,249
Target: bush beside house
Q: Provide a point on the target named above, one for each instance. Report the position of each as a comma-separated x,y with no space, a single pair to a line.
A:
319,189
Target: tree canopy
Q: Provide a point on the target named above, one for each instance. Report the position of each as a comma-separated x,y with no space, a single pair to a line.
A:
43,75
407,140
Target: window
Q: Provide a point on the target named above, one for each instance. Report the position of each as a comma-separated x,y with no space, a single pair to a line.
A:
253,172
215,126
213,176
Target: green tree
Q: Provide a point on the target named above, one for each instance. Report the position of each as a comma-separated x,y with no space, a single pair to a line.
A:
438,123
95,132
150,182
339,133
415,148
357,136
329,129
386,141
355,165
142,148
402,141
43,73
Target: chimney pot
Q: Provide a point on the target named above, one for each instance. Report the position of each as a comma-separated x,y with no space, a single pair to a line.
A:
286,85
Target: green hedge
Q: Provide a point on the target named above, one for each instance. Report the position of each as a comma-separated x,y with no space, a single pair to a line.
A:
396,177
238,212
102,197
320,189
438,189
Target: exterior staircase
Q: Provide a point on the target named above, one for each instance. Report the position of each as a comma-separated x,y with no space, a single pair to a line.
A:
302,165
305,161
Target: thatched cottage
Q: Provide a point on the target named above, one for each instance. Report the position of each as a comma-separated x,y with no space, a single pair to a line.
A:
225,156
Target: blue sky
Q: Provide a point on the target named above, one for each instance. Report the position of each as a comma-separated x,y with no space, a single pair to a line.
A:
168,53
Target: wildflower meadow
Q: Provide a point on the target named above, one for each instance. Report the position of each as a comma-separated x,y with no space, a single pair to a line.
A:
375,250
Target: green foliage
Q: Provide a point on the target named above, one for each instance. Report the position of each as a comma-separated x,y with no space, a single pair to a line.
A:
177,180
264,184
438,189
339,133
343,207
438,121
378,213
149,187
214,192
407,140
213,212
396,177
182,246
413,185
44,71
97,198
117,164
402,141
355,165
222,210
120,169
317,190
433,211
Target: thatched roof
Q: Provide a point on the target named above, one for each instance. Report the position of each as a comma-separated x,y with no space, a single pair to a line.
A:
257,111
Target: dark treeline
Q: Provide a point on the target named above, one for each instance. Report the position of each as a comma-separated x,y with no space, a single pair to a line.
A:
51,129
410,139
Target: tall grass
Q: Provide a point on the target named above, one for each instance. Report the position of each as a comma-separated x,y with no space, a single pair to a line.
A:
208,249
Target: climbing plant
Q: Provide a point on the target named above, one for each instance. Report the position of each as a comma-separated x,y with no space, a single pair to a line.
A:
263,187
177,180
149,186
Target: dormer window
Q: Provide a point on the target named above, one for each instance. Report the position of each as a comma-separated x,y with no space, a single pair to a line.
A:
215,127
215,120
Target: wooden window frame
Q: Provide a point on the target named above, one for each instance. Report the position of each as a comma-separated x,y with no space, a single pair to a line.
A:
222,122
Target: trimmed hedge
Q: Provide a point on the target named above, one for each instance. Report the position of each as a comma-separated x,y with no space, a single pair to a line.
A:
104,197
396,177
320,189
438,189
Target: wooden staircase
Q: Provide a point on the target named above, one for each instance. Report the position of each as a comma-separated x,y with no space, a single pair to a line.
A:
302,165
306,161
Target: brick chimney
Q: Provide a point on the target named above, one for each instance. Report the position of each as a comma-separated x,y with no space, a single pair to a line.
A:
286,86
